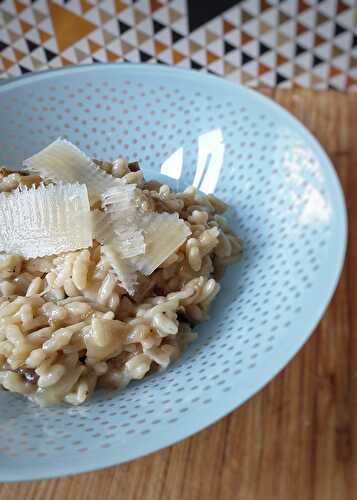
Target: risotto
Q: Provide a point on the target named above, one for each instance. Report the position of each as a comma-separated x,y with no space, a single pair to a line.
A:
113,310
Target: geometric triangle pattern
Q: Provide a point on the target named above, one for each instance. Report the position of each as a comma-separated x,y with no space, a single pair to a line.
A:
285,43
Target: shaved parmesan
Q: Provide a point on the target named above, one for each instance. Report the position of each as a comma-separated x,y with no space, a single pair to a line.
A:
45,220
63,161
123,270
163,234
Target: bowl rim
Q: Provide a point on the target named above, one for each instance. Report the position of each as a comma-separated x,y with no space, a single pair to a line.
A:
228,402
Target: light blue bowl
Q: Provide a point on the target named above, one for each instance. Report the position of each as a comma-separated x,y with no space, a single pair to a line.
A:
288,209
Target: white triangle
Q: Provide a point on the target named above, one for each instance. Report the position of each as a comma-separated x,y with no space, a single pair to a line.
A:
289,8
328,8
162,15
108,7
70,54
33,36
133,56
14,25
146,27
55,63
233,37
269,38
130,37
21,45
234,76
285,85
233,15
304,60
41,6
306,39
321,86
39,54
5,36
234,57
346,19
286,70
83,46
182,46
326,30
198,36
97,36
148,46
74,6
112,27
217,66
322,70
144,6
101,55
252,6
86,60
164,36
268,78
184,63
166,56
288,29
251,48
324,50
344,41
93,16
271,17
216,47
215,26
28,16
339,81
9,7
115,47
51,44
179,5
341,62
27,63
251,68
269,59
308,18
251,27
181,26
46,25
304,79
14,71
127,16
200,57
287,50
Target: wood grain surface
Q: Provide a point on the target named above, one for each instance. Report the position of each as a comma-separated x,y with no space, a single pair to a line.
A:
297,438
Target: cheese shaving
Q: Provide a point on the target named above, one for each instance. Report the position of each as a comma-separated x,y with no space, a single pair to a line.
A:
123,269
63,161
45,220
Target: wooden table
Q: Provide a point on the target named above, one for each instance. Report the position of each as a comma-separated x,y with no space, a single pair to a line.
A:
297,438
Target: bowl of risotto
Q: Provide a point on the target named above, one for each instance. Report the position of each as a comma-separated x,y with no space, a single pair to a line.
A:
168,241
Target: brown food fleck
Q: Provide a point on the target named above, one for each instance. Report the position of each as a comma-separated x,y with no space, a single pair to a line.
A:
28,374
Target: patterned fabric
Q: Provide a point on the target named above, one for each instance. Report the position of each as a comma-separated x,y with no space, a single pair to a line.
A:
284,43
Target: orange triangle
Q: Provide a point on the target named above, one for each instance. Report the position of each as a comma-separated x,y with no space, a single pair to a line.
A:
13,36
336,51
25,27
227,26
104,16
119,6
211,57
19,6
300,28
341,7
155,5
93,46
321,18
141,36
174,15
302,6
138,15
18,54
177,56
283,17
280,60
76,26
263,27
263,68
159,47
246,16
126,47
334,72
43,36
6,62
350,81
282,39
210,36
264,5
85,6
111,56
318,40
228,68
245,38
193,46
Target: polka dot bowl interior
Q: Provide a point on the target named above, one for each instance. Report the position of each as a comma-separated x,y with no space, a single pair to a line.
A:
287,208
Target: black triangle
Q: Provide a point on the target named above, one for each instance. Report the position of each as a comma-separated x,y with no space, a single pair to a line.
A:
95,60
123,27
339,29
280,78
246,58
144,56
31,45
195,65
3,45
354,41
49,54
332,87
263,48
157,26
316,61
24,70
159,61
175,37
228,47
299,50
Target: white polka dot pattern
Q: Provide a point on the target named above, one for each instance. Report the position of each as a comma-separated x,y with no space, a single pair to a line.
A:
287,208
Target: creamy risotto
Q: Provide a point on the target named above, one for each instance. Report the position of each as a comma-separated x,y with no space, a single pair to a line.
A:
102,273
